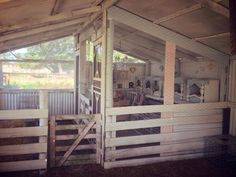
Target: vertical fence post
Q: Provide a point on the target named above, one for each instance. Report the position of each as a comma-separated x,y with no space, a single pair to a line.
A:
43,104
52,146
98,138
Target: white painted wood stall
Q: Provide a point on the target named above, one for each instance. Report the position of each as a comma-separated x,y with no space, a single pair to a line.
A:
190,123
180,131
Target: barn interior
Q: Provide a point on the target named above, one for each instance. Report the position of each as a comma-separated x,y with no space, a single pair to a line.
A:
154,82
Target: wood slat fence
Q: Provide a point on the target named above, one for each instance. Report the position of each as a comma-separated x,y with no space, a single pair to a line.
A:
20,145
187,139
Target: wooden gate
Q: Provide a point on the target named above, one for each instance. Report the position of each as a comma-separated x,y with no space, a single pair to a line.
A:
74,139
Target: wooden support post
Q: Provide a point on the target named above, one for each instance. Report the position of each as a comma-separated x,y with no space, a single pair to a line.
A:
232,96
148,68
1,75
232,76
232,6
43,104
98,138
109,78
82,63
76,78
52,132
169,79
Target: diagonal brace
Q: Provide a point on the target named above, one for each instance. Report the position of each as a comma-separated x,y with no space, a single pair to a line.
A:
76,142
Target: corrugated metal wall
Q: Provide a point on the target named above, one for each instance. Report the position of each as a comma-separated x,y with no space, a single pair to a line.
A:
60,101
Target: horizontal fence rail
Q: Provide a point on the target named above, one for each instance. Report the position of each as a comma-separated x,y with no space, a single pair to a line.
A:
127,142
20,145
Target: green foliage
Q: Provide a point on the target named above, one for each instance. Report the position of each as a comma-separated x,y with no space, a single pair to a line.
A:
60,49
124,58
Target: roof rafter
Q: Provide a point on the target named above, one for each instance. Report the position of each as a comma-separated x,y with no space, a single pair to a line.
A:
52,19
178,13
42,29
215,6
212,36
56,5
212,5
36,39
129,19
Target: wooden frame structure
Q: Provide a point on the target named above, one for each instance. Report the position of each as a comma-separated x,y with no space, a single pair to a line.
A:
182,128
182,122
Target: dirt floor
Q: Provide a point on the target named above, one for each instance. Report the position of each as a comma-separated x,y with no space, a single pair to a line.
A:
185,168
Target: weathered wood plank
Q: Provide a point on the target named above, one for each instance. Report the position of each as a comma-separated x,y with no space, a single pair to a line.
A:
70,137
79,162
79,157
23,149
70,127
198,127
24,114
140,151
23,132
79,147
23,165
143,139
52,137
165,108
136,162
162,122
72,117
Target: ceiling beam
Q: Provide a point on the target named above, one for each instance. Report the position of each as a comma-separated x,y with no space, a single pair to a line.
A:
212,36
55,8
232,5
214,6
86,10
36,39
105,5
178,13
37,60
42,29
134,21
52,19
3,1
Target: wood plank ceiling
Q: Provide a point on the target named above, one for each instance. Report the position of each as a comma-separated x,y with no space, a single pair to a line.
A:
205,21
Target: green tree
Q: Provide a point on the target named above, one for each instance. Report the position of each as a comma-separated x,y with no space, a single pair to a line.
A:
60,49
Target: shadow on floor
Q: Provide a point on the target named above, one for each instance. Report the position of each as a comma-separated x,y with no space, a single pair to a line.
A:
185,168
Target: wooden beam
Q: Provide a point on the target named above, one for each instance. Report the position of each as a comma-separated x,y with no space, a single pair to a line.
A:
232,5
148,27
26,41
169,82
169,73
52,19
86,10
165,108
4,1
105,5
179,13
214,6
56,5
37,60
212,36
42,29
